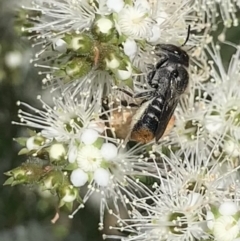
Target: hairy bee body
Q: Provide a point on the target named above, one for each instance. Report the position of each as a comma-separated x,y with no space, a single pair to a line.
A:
146,127
168,80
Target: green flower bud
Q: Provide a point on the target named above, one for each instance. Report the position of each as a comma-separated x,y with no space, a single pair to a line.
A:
77,68
112,61
67,195
21,22
82,44
27,173
34,142
125,72
52,180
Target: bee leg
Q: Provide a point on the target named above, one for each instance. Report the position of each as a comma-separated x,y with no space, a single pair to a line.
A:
144,94
133,105
151,79
150,67
126,92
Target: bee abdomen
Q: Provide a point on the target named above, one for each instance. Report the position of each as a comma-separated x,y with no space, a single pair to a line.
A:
145,129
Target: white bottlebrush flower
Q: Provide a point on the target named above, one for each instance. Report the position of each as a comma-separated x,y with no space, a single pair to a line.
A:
191,176
89,158
144,23
64,123
165,214
111,170
134,22
155,21
95,81
208,11
223,109
176,208
63,16
213,178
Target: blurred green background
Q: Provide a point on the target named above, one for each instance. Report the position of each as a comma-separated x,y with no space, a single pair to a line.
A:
24,214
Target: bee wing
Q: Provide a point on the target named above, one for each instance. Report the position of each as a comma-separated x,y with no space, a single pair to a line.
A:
166,115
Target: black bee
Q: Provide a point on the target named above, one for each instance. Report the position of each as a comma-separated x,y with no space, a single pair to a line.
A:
168,80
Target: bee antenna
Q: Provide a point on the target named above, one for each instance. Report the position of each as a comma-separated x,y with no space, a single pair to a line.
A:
188,34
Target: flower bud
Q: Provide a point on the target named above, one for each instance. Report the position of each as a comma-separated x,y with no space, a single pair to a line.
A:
115,5
27,173
60,45
104,29
112,61
78,177
125,72
34,142
102,177
67,195
232,148
109,151
89,136
57,152
82,44
130,48
75,68
52,180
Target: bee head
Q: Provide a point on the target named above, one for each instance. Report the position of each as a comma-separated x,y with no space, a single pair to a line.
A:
174,53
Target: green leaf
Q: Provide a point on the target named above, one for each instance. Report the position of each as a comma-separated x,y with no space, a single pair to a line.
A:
98,143
128,82
69,206
21,140
16,182
9,181
61,203
71,167
106,164
122,38
79,199
129,2
9,173
23,151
